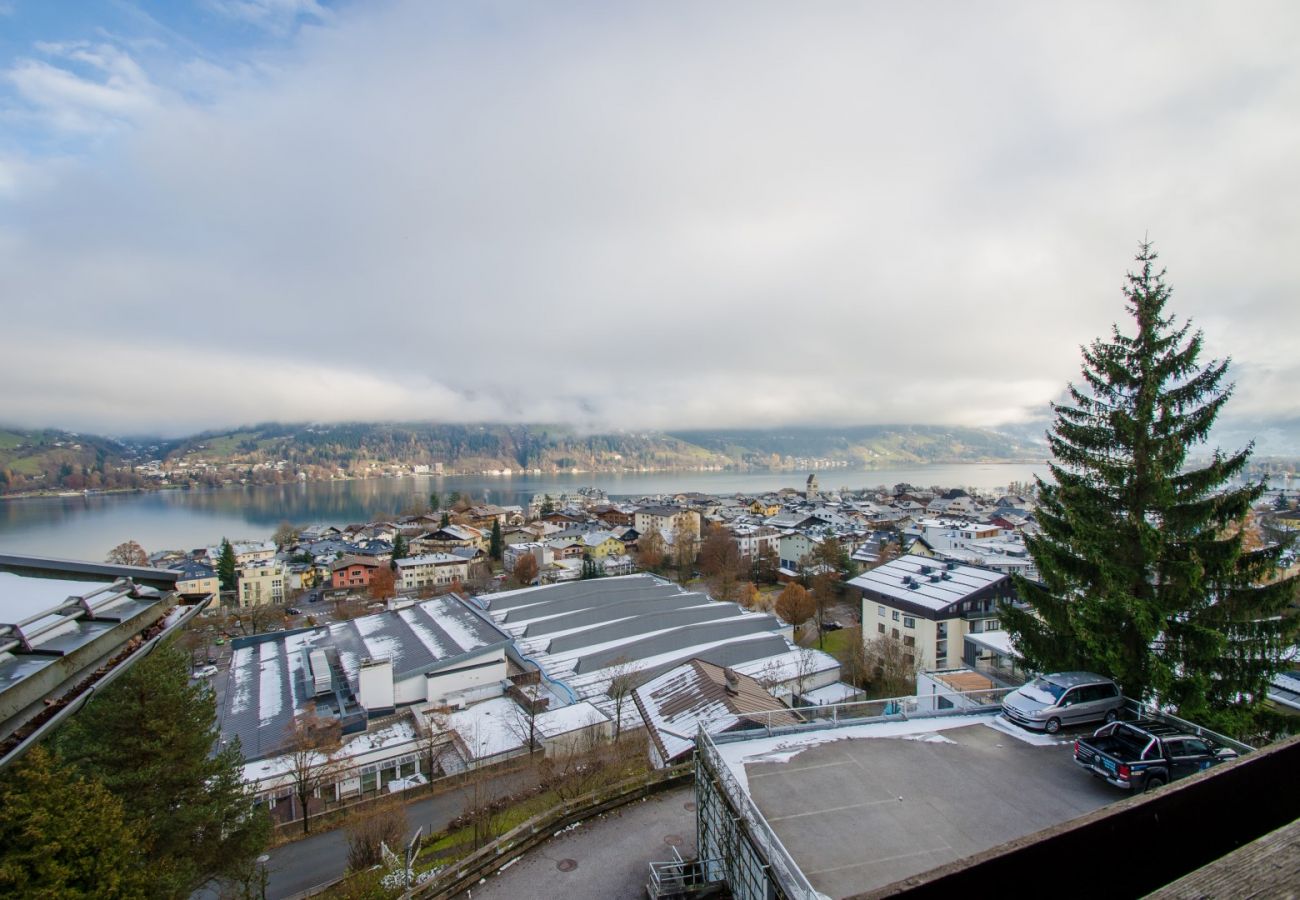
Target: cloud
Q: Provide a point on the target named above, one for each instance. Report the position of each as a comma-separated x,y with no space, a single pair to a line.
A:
277,16
659,216
91,87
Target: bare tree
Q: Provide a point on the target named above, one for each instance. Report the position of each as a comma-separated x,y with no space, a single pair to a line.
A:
382,825
255,619
685,538
891,666
853,658
805,666
313,742
285,535
128,553
529,701
720,562
433,736
621,684
650,550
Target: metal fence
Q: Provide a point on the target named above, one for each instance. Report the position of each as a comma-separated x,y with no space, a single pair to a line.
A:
756,863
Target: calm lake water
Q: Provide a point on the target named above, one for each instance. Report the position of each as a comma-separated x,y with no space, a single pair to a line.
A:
88,527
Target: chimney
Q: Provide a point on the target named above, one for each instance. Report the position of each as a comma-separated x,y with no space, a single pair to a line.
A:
733,682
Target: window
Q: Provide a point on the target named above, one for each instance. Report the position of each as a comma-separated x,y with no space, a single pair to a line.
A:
895,612
940,649
880,610
881,626
992,625
895,633
909,641
909,622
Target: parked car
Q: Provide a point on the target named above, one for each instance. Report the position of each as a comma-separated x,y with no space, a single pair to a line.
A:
294,611
1139,756
204,671
1064,698
828,625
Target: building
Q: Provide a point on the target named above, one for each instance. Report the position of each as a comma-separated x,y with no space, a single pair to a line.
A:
439,652
669,519
583,634
352,572
195,578
931,606
431,570
699,694
262,583
954,804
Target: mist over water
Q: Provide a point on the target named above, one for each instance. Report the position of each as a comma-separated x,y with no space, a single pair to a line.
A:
88,527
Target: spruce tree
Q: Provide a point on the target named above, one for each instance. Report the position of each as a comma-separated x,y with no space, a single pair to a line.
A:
1144,576
401,549
149,739
65,837
495,545
226,566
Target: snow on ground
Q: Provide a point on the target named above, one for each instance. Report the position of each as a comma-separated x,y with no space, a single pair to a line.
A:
1038,739
785,747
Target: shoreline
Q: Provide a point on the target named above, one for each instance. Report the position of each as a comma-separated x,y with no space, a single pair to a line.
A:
512,474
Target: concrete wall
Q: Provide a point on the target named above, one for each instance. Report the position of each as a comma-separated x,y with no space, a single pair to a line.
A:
376,685
467,679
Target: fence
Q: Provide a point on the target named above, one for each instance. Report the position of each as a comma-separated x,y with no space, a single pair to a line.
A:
522,838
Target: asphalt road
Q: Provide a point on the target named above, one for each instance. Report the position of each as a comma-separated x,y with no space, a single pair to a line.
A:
322,857
606,858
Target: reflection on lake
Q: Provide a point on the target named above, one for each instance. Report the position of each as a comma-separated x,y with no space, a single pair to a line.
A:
88,527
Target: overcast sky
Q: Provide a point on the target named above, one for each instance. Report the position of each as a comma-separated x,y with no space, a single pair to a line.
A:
631,214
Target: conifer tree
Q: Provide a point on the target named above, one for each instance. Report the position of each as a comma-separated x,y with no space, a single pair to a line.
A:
496,545
401,549
1144,576
226,566
149,740
64,836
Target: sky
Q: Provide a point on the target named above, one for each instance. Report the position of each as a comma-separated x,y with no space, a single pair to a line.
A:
632,215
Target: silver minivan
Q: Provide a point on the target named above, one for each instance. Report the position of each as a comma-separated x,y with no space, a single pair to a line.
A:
1064,698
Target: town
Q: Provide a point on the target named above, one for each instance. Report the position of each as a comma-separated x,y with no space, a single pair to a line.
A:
493,652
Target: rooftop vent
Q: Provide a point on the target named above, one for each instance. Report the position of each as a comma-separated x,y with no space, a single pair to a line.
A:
934,577
912,585
946,576
950,566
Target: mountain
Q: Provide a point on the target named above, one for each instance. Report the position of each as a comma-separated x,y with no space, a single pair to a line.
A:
59,460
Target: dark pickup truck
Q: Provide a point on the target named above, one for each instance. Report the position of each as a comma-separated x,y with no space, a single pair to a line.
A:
1142,755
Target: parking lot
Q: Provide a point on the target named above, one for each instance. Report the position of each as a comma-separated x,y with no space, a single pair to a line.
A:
862,813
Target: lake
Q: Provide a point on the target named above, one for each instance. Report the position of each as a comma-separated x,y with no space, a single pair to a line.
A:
88,527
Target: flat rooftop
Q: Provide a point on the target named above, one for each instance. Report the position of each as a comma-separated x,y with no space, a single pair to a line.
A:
863,806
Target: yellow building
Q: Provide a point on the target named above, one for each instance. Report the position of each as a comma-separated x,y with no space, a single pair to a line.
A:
602,544
262,584
930,606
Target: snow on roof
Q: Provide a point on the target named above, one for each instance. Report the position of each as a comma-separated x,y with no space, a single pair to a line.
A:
783,748
923,590
554,722
695,695
997,641
839,692
490,728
